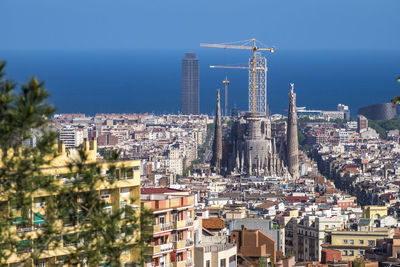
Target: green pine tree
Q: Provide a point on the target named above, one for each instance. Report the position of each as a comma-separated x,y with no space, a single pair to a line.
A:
96,237
396,100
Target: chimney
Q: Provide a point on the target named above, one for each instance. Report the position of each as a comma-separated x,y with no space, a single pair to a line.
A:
85,144
93,144
61,147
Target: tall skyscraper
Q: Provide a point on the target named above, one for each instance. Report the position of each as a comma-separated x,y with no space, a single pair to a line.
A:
292,141
261,82
217,143
190,84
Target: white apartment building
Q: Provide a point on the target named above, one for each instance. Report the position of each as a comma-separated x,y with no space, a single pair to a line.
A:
215,255
71,137
310,235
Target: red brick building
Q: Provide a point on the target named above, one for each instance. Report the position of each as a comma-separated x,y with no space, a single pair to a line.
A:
254,246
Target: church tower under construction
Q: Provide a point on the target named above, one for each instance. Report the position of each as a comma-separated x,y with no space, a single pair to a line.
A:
259,78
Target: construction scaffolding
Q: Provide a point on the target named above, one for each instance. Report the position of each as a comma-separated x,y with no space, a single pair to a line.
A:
261,85
257,72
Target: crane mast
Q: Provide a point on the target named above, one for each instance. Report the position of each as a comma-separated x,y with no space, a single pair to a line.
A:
249,45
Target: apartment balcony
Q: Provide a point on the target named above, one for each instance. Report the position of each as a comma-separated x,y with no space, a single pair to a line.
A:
219,247
21,225
189,242
189,262
181,224
179,264
160,248
164,265
179,244
24,228
166,247
174,203
163,227
184,263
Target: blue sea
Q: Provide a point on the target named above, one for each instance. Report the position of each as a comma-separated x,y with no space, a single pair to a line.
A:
150,81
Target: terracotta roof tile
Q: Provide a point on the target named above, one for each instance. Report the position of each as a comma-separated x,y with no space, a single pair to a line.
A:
213,223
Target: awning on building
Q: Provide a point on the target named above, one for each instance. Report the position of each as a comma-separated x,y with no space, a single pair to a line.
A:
38,218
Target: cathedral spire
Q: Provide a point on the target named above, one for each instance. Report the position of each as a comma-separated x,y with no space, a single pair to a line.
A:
217,143
292,139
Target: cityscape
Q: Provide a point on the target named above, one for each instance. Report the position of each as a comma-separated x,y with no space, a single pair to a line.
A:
245,184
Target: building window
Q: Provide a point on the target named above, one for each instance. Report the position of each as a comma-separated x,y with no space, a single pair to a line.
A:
105,194
361,242
223,263
108,209
125,192
207,263
40,202
344,253
351,242
351,253
344,241
370,242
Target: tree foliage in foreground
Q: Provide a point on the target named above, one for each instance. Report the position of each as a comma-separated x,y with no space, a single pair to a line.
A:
75,218
396,100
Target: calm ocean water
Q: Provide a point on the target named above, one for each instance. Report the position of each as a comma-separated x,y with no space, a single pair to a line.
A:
150,81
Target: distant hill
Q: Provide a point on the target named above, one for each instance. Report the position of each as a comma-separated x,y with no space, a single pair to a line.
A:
382,126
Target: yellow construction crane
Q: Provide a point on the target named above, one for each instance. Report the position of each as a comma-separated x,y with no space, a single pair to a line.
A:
247,45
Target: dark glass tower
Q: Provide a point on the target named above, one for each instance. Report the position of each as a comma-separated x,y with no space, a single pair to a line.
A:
190,84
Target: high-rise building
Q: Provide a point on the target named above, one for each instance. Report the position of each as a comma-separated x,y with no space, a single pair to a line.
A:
190,84
345,109
362,123
261,82
292,141
71,137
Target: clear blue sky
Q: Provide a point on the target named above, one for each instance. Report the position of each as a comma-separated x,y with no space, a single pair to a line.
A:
183,24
